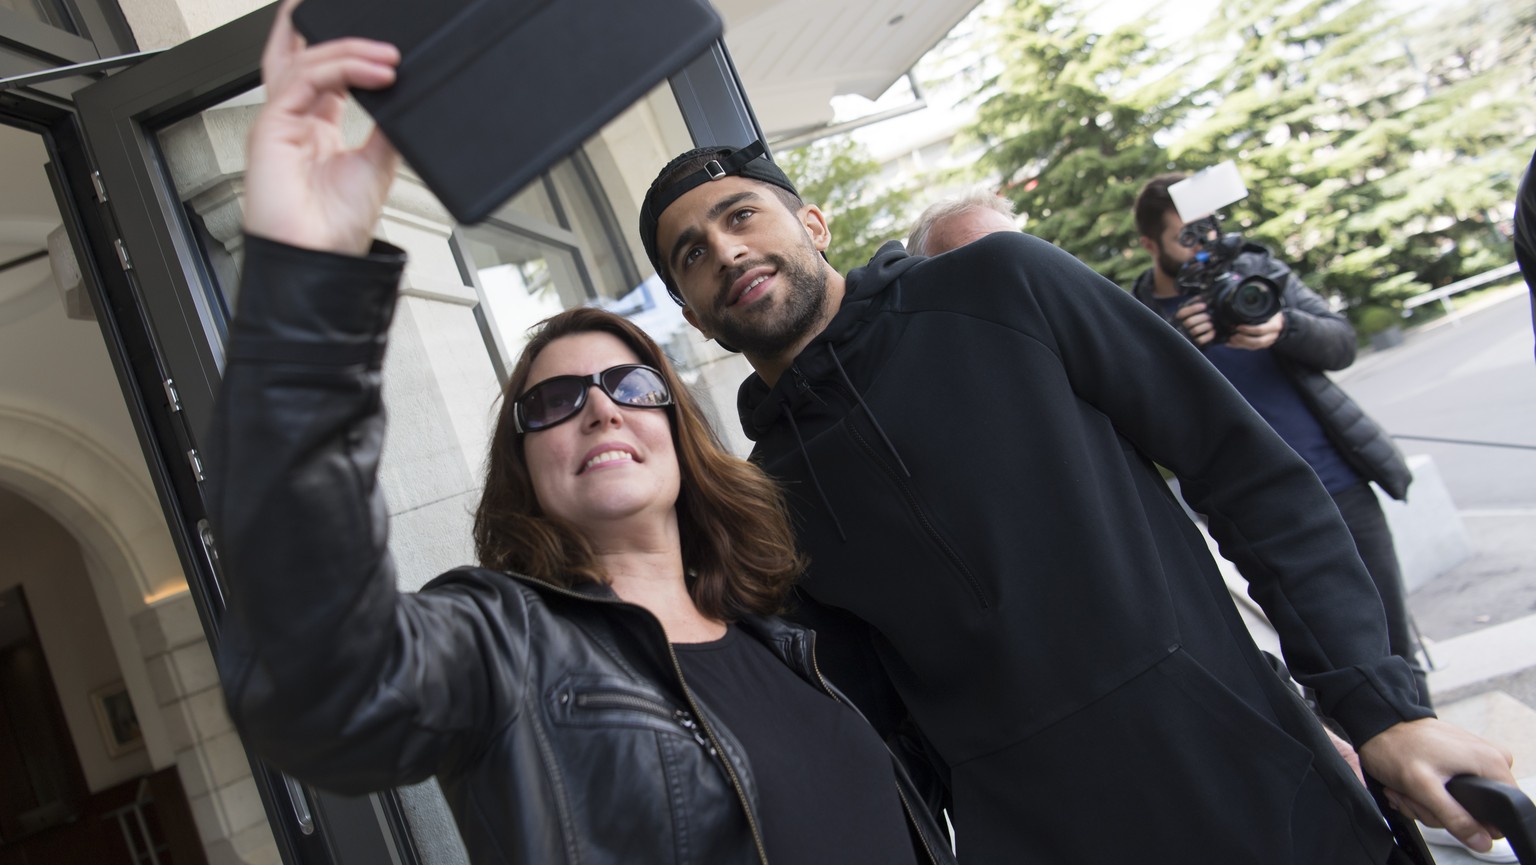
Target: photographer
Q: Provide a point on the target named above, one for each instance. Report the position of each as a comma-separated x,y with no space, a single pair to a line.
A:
1278,365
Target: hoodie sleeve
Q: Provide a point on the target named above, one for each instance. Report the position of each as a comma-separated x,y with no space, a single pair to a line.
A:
1267,509
329,671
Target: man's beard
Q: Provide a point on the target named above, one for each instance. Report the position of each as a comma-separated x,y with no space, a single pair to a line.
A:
1167,265
772,332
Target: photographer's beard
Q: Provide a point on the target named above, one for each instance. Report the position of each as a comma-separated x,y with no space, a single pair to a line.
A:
1166,263
1169,267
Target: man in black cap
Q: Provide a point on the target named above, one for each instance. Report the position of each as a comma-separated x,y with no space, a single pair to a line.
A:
967,442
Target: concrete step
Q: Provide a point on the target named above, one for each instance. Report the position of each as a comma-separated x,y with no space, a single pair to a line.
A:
1494,651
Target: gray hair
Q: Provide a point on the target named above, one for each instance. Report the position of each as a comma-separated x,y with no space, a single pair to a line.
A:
976,199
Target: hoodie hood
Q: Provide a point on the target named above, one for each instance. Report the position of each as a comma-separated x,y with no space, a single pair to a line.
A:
758,405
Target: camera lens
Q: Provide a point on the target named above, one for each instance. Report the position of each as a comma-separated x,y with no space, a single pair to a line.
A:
1252,301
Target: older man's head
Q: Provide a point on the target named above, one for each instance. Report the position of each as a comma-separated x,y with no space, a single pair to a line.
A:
955,222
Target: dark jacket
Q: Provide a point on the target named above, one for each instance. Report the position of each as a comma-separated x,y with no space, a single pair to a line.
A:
556,721
1525,232
967,450
1315,339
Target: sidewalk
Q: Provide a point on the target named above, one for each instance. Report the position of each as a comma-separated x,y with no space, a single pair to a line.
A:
1479,625
1368,356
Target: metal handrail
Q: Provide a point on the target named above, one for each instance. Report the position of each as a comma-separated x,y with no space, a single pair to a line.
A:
1443,293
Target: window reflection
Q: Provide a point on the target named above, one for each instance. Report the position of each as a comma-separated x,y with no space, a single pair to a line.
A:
50,12
553,246
567,239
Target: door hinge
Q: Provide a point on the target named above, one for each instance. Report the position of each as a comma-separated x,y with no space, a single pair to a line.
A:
196,462
122,254
172,398
101,188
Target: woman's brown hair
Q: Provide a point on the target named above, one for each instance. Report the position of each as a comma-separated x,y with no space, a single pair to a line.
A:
737,542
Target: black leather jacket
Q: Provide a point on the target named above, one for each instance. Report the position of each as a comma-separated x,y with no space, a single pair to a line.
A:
1316,339
556,721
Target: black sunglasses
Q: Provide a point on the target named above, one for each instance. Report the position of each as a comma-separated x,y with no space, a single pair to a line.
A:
558,399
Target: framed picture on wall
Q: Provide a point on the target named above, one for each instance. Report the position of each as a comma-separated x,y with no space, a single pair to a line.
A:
114,715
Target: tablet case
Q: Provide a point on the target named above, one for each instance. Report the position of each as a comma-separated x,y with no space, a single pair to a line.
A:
490,93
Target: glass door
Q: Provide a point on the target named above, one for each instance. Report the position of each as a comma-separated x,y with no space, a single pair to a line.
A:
167,139
175,288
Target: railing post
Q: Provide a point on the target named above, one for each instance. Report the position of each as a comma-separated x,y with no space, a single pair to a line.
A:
1450,309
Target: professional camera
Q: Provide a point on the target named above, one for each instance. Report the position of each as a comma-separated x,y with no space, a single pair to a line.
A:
1230,300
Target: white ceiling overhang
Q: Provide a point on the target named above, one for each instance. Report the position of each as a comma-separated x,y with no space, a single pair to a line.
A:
795,55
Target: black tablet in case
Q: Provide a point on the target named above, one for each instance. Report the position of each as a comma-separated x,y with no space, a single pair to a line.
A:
490,93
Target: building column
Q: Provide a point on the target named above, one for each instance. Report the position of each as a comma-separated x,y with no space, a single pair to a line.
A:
210,759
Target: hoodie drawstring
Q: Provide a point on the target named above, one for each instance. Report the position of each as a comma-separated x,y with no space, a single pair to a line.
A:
872,419
811,467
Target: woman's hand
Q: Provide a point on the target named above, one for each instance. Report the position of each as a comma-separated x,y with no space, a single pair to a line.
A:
304,187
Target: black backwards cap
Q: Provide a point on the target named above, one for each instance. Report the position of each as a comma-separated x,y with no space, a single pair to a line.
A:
750,161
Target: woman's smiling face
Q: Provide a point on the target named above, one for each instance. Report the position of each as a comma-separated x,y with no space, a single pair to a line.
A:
610,463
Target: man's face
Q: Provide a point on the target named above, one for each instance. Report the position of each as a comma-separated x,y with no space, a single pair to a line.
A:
956,231
749,269
1169,255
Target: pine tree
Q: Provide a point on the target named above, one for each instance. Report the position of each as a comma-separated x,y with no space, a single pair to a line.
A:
839,176
1374,170
1470,118
1069,123
1381,151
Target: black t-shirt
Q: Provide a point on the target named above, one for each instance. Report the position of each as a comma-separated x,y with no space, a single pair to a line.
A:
825,783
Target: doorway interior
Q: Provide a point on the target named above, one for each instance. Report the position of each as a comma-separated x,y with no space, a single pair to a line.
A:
78,782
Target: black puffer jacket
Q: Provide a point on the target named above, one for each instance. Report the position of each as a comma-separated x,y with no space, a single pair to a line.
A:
1316,339
556,721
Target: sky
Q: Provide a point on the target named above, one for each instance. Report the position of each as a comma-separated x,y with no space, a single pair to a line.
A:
946,110
945,96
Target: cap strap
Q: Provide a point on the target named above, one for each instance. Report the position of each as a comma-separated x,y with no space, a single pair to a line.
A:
712,170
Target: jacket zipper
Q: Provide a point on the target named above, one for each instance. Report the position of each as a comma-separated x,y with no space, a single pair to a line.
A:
803,384
717,749
907,806
615,700
922,517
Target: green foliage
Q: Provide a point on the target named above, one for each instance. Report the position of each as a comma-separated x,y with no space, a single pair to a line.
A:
1375,319
1069,124
1381,153
839,176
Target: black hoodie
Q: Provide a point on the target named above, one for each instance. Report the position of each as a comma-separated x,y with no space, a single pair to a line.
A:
968,451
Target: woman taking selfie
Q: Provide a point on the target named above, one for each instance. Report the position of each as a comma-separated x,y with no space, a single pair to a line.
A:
609,685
